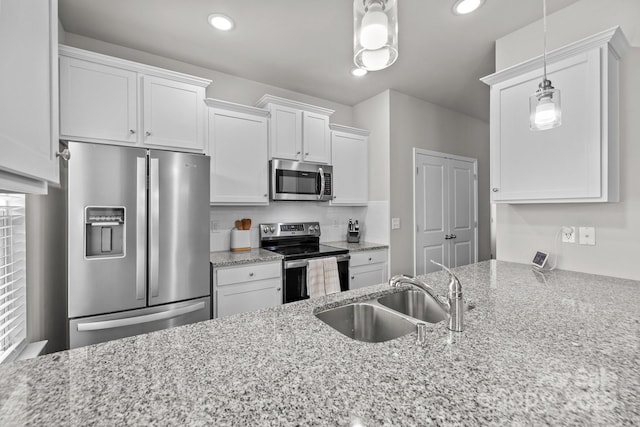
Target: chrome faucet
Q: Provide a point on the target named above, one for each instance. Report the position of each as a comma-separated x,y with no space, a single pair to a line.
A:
453,305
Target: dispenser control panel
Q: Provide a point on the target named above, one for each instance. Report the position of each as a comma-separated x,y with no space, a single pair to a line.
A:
104,231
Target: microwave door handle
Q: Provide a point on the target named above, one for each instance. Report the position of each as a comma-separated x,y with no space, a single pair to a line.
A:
322,183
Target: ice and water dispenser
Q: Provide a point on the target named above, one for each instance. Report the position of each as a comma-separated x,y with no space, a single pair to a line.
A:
104,232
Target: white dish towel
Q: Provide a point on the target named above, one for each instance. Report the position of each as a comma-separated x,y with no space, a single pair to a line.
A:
315,278
331,278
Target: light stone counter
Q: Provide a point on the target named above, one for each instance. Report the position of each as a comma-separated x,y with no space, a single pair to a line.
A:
357,247
559,349
227,258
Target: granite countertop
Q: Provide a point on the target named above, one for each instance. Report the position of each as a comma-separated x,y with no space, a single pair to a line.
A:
357,247
227,258
560,348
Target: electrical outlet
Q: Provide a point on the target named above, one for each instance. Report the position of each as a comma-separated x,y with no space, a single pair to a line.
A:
587,236
568,234
395,223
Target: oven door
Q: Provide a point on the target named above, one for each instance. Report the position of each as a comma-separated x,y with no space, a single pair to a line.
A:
294,278
300,181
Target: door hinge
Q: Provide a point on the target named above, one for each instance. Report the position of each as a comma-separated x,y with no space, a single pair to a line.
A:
417,171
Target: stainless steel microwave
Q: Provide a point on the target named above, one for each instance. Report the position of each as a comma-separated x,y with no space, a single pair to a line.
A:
301,181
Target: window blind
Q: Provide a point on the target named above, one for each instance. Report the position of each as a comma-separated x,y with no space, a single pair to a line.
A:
12,276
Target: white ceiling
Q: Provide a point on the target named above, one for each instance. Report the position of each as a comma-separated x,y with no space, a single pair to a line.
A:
307,45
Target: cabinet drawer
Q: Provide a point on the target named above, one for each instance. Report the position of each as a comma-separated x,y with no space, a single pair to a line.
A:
368,257
253,272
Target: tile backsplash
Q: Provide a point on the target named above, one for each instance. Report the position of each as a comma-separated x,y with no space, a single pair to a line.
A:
333,220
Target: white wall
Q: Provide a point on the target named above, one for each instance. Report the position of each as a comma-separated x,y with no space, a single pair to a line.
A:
373,114
417,123
224,86
521,229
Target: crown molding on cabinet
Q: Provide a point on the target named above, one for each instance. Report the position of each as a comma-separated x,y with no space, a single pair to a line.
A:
271,99
349,129
238,108
149,70
618,45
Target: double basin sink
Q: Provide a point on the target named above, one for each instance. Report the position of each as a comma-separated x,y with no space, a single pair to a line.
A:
384,318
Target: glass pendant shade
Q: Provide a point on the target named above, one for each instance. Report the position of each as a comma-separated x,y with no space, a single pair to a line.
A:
375,41
544,108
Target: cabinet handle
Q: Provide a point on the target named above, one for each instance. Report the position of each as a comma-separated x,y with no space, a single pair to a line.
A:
369,259
495,190
278,289
306,154
147,133
250,274
64,154
265,195
352,277
131,131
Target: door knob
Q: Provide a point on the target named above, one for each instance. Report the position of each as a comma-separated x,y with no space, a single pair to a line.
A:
453,236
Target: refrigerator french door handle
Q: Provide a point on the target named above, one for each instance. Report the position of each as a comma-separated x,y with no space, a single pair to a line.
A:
154,226
119,323
141,225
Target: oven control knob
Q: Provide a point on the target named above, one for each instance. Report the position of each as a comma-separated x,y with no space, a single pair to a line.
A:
312,228
265,229
272,229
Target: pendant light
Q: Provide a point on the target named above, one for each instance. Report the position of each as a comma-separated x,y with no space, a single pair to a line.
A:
544,104
375,40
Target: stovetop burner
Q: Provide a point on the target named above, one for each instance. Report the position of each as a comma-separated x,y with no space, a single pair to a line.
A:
296,240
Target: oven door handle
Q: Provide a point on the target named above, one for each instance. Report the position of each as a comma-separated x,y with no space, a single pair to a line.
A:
299,263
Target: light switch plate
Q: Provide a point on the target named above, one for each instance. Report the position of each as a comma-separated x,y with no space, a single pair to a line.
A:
395,223
587,236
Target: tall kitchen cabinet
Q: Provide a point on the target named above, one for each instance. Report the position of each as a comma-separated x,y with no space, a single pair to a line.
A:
298,131
349,157
29,95
577,161
238,146
110,100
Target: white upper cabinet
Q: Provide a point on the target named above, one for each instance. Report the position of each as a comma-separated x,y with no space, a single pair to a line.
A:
28,95
238,146
111,100
298,131
349,148
98,103
577,161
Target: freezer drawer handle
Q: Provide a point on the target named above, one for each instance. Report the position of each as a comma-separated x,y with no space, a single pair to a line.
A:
119,323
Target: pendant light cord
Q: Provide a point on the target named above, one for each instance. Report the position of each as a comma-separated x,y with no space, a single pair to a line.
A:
544,24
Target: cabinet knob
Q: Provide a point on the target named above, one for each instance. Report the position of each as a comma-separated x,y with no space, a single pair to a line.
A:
250,274
298,153
147,133
495,190
131,131
369,259
64,154
353,277
306,154
278,289
265,195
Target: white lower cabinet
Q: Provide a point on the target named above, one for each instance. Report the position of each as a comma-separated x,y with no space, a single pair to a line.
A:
247,288
368,268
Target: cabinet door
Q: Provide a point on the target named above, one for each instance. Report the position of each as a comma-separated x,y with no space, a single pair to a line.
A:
558,164
286,133
368,275
29,94
239,158
173,114
350,169
316,142
97,102
249,296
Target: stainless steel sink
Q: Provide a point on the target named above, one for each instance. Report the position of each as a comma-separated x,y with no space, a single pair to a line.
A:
366,322
415,304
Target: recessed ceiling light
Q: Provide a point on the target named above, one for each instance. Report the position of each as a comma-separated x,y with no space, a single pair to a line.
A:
220,22
462,7
358,72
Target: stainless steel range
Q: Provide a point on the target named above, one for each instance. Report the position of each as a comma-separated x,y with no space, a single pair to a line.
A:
298,242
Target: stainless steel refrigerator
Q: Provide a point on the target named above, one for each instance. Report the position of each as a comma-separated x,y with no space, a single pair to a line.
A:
137,241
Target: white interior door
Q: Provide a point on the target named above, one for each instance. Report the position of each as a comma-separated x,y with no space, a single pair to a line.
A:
445,214
431,214
462,220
